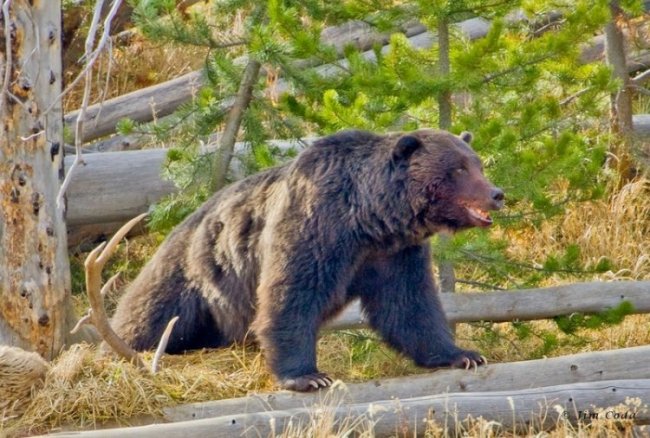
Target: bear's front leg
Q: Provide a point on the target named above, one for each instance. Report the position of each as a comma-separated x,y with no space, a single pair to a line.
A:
297,291
288,337
399,298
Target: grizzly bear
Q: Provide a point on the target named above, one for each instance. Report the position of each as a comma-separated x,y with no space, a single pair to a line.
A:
281,252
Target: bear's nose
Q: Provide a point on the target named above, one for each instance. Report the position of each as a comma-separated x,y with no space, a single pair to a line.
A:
497,197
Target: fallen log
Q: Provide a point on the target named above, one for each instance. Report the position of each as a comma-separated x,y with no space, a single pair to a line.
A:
142,105
528,304
575,368
112,186
641,123
513,411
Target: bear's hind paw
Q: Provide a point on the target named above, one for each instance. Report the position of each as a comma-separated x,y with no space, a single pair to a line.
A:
308,382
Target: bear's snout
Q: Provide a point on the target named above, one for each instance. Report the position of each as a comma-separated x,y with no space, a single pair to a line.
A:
497,198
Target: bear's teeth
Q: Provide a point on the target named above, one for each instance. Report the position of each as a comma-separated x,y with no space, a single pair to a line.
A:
479,214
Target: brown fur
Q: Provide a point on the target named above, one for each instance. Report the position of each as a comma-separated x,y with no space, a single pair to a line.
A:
284,250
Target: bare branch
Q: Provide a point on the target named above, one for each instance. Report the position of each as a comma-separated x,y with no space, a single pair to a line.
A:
162,345
641,90
640,78
33,136
574,96
93,265
90,41
8,59
91,58
109,65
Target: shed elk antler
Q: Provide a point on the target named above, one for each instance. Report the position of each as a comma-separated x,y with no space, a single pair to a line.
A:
96,315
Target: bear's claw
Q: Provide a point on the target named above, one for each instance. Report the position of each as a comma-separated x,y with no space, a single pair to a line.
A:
308,382
468,360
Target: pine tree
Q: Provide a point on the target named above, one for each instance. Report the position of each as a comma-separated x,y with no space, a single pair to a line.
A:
534,107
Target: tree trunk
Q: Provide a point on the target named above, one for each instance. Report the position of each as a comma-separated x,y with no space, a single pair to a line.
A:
621,102
444,98
445,267
34,270
510,376
525,304
224,152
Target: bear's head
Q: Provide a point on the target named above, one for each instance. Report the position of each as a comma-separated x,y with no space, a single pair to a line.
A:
446,185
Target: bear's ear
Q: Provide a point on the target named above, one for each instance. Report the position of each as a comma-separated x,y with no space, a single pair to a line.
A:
405,146
466,136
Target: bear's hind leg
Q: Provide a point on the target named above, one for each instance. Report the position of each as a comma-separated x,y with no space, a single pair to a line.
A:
144,312
195,328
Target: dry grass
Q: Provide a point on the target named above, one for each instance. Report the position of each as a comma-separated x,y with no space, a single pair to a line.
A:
140,64
616,228
82,391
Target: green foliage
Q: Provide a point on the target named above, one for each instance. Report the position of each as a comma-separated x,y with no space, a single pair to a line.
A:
572,323
125,126
534,107
77,276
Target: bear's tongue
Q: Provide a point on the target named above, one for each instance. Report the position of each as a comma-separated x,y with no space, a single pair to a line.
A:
481,215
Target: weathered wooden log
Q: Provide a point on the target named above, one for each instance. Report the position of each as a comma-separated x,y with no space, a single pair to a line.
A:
575,368
529,304
141,105
641,123
514,411
116,185
115,143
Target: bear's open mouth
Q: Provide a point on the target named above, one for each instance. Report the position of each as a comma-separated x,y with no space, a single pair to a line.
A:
482,216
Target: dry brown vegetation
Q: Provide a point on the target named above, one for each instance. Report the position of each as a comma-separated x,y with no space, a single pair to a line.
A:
616,228
139,64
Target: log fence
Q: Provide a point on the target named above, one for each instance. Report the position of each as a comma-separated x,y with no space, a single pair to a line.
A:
516,397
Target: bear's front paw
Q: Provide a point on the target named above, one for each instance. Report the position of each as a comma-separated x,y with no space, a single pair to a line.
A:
468,359
456,358
308,382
